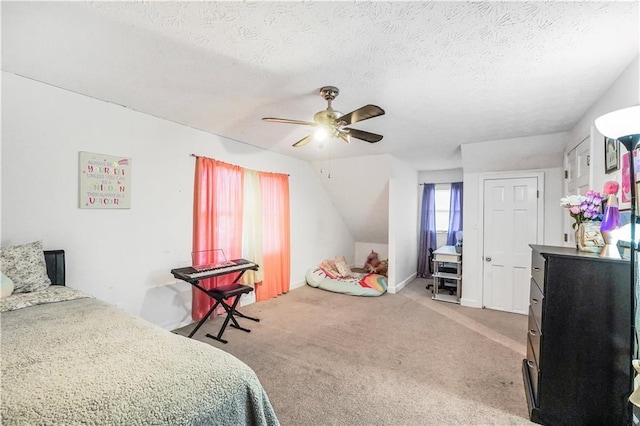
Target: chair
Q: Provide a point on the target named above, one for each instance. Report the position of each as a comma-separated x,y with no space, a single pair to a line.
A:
430,260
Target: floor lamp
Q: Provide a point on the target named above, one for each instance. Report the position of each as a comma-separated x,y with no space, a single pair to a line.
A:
624,125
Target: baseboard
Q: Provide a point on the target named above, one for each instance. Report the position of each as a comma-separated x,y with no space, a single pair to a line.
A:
472,303
298,284
403,283
175,326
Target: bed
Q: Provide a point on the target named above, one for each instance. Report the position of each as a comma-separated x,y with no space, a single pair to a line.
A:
326,277
68,358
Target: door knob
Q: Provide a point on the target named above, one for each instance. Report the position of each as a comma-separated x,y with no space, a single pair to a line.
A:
488,258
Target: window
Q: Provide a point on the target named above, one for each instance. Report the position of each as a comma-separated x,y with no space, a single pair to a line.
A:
442,201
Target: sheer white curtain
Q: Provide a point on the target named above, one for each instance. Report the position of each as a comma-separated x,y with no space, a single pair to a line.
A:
252,226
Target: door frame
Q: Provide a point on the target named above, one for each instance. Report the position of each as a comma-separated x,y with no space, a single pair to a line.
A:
567,231
540,222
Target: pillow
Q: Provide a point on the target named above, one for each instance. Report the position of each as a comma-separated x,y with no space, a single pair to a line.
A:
329,268
26,267
342,267
6,286
329,273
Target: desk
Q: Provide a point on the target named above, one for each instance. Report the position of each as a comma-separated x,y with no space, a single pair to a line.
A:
447,268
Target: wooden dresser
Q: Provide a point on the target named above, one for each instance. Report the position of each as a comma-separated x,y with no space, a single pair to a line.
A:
578,366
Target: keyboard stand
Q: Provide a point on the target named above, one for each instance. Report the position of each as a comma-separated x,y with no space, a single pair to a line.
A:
221,295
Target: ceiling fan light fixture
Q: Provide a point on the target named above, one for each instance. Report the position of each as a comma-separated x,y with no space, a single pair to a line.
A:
321,133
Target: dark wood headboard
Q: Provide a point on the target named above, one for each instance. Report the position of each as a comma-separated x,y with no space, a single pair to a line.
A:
55,266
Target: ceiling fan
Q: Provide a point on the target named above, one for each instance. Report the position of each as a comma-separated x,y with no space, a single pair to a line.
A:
331,123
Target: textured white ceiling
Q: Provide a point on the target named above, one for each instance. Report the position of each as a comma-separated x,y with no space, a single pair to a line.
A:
446,73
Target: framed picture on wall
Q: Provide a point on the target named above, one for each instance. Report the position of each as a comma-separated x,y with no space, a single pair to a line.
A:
625,179
611,155
105,181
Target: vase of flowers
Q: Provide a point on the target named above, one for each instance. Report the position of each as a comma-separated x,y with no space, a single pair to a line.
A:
585,210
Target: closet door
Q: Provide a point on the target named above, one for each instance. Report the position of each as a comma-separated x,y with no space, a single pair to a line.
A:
510,225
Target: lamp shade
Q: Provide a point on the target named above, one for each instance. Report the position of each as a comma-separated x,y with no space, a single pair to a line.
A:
624,233
623,122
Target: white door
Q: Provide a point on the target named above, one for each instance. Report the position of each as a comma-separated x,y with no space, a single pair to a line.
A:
577,170
510,225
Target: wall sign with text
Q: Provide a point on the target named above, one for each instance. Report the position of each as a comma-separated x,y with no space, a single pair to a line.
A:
105,181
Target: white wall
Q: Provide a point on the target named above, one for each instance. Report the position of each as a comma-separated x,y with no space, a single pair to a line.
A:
624,92
125,256
440,176
526,153
359,189
403,225
363,250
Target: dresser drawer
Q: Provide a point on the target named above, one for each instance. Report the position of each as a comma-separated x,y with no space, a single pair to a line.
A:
537,269
536,298
533,333
533,371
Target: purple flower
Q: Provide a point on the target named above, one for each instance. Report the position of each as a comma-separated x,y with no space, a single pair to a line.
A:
589,196
583,207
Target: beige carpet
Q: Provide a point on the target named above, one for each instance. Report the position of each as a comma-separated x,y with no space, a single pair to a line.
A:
403,359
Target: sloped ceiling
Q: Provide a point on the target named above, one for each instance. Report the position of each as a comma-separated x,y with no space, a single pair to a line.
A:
359,189
447,73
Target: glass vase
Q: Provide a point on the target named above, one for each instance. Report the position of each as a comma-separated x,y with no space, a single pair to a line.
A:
589,238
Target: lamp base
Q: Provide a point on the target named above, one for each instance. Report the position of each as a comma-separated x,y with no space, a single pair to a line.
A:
610,249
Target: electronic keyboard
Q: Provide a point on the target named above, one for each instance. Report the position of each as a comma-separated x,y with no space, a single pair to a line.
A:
190,273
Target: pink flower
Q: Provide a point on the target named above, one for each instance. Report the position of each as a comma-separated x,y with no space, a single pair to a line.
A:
611,187
583,207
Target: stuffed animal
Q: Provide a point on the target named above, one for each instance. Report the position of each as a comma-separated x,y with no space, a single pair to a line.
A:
382,268
372,262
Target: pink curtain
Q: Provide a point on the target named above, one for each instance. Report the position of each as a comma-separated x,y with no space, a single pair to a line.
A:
276,240
217,221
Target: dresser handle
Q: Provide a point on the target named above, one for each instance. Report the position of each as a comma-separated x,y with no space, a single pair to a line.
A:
535,268
532,332
531,364
534,301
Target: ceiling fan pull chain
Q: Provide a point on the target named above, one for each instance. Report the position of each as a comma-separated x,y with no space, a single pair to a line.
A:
329,175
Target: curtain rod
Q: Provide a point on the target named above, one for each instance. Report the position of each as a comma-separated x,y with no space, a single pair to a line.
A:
196,156
437,183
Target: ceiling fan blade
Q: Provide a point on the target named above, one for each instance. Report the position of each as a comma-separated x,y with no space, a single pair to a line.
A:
361,114
304,141
365,136
287,121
